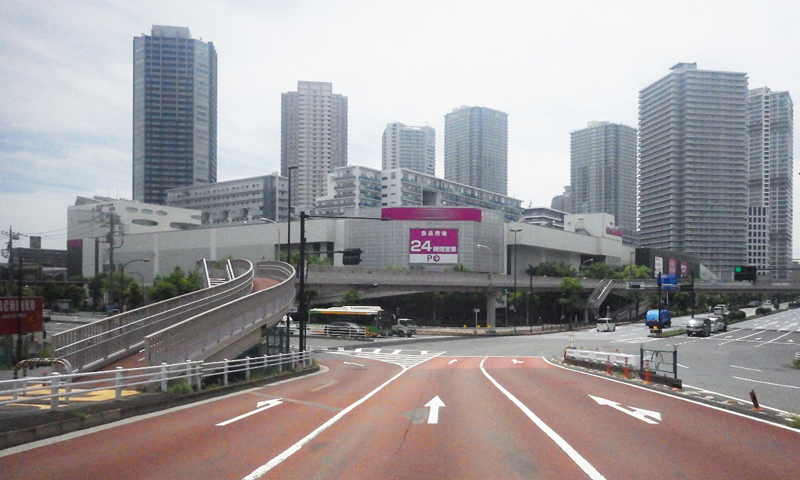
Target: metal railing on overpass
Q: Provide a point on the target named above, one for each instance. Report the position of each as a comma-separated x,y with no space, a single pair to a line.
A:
101,342
207,332
58,389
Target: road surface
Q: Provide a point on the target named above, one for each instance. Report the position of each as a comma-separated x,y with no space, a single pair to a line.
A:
388,413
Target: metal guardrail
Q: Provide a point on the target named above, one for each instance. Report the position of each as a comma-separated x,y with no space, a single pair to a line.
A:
99,343
57,389
203,333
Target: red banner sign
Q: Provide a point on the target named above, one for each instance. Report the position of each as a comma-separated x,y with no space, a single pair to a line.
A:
29,308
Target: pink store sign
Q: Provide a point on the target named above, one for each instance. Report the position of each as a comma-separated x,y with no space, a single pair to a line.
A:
433,245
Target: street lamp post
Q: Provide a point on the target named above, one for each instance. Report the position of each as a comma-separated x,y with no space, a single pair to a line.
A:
585,262
122,281
515,230
277,227
141,289
289,216
491,255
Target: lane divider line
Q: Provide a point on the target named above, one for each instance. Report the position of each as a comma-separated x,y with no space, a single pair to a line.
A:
566,447
264,469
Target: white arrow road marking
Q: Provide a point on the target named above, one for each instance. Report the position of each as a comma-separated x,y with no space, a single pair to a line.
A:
639,413
260,407
517,361
434,405
452,361
353,363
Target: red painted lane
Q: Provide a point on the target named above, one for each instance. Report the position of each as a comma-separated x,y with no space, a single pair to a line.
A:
691,440
479,434
188,444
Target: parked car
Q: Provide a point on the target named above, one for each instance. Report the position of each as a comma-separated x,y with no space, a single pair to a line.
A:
345,329
718,324
700,325
606,324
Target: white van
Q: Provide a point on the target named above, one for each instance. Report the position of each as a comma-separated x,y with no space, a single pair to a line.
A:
606,324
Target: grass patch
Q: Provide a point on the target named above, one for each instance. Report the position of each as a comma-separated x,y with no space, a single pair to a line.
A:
794,421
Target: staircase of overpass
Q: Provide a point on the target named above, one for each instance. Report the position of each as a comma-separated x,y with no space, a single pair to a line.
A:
219,321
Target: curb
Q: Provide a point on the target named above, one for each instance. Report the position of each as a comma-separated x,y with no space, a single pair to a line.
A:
46,424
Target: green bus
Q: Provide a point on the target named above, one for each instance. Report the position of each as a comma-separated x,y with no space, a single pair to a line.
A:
370,321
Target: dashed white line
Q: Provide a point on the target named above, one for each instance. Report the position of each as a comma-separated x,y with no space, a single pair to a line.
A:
745,368
767,383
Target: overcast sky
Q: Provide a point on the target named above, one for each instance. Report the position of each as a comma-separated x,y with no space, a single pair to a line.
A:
66,71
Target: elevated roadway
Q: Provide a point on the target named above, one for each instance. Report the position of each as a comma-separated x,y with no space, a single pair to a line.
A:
331,282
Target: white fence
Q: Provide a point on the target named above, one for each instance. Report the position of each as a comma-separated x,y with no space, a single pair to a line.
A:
57,389
594,356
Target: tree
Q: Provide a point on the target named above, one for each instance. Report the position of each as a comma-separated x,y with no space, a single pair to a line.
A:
571,291
175,284
601,270
636,272
551,269
350,298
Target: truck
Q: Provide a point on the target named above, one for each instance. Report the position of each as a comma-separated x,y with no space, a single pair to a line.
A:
404,327
721,310
658,319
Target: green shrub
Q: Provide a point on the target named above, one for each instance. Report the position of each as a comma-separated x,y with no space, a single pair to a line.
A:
181,389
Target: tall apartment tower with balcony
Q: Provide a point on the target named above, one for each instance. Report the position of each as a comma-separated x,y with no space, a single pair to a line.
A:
603,172
313,139
410,148
476,148
693,166
770,128
174,113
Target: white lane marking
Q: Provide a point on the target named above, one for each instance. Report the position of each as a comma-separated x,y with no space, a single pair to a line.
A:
434,405
766,383
745,368
741,338
452,361
683,366
108,426
377,350
260,407
774,339
517,361
689,400
352,363
634,412
396,352
566,447
262,470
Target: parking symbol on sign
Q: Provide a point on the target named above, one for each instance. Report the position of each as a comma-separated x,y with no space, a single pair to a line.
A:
434,258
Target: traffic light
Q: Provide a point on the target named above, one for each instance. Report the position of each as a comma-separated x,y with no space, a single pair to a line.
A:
351,256
745,273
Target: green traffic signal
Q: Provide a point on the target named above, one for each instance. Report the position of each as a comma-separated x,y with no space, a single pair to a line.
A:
738,269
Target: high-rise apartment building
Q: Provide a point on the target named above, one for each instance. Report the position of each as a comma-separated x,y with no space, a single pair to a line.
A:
411,148
693,166
313,139
476,148
603,172
770,120
174,113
